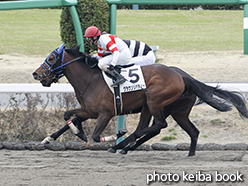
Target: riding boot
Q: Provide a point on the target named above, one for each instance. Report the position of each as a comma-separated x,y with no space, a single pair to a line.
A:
117,78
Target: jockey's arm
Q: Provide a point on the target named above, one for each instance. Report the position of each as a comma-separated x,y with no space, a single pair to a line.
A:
115,57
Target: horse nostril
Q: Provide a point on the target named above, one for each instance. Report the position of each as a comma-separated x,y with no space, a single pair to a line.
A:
35,75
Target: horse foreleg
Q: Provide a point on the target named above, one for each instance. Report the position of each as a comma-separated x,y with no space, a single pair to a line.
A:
81,133
102,122
76,131
114,137
78,120
55,135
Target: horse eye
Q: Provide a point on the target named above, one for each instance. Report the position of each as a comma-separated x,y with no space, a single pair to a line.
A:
50,58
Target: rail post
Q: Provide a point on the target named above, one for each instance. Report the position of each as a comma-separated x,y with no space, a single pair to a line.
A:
77,26
245,24
121,118
113,8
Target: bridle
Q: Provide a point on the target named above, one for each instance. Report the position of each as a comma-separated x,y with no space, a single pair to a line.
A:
58,66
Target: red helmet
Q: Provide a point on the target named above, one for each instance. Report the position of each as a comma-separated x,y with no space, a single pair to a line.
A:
92,31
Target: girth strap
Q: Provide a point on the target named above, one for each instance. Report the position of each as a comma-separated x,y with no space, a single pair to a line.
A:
117,100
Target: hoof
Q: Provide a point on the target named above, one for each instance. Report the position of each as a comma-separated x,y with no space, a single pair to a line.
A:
123,151
111,150
191,154
121,132
47,140
87,144
82,137
132,144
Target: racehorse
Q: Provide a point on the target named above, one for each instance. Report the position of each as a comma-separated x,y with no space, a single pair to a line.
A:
169,91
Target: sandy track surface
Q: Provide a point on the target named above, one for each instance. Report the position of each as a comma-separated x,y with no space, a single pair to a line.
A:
90,168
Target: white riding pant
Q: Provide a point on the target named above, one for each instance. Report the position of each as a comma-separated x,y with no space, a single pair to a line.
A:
124,58
148,59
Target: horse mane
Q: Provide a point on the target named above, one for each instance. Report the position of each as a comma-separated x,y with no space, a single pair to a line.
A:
91,61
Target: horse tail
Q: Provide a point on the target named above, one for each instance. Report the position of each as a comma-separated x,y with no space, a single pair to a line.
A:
219,99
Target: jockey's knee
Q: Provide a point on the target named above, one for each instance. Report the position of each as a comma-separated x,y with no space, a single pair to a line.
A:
102,65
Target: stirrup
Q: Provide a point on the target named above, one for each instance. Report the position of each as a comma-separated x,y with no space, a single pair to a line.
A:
118,81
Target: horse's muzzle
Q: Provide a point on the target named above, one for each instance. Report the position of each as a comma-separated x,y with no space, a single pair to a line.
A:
36,76
39,76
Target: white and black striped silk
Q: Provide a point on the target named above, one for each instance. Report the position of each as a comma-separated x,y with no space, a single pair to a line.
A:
137,48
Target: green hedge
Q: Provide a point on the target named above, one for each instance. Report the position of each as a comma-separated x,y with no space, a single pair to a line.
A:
184,7
91,12
178,7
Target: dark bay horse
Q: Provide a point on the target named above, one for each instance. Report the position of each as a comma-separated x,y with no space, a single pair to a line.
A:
169,91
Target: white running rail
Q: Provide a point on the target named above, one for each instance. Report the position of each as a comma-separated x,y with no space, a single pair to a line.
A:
67,88
35,88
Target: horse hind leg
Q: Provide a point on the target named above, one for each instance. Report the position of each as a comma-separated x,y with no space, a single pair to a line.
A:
145,118
144,138
145,134
182,119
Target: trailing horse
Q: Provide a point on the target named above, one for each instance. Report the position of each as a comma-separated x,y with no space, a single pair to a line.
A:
169,91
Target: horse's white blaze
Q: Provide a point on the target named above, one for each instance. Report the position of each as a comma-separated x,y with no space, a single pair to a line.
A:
109,138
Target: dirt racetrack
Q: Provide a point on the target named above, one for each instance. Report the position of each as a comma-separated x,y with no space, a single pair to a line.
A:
100,168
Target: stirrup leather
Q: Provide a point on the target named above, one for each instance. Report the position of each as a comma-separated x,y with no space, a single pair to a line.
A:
119,79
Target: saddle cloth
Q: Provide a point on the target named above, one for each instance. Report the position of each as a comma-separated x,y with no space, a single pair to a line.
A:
133,75
135,81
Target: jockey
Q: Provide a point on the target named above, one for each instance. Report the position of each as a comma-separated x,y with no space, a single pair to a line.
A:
142,54
120,53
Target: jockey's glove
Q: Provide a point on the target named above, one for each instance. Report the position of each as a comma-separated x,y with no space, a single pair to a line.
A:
111,67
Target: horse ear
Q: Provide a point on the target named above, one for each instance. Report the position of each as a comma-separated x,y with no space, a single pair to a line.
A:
60,49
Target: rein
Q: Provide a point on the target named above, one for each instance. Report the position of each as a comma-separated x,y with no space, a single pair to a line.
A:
67,63
87,84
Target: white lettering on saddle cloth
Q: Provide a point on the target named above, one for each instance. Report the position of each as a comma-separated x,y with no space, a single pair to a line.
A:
133,75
